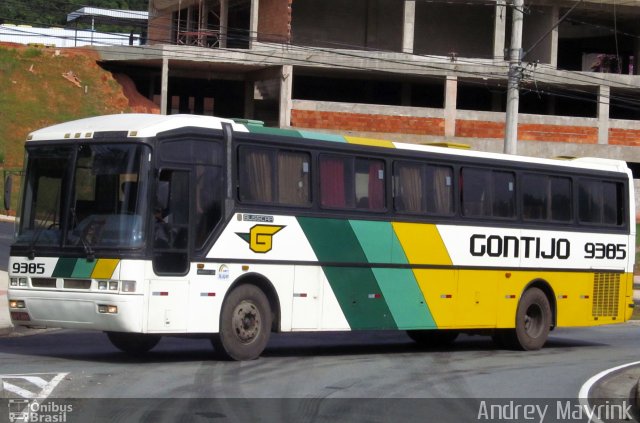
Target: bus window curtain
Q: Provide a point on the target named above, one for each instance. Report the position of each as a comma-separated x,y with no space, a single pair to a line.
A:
410,189
442,188
332,190
293,181
259,171
376,186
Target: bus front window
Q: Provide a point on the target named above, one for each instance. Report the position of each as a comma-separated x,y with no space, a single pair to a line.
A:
85,196
47,172
108,205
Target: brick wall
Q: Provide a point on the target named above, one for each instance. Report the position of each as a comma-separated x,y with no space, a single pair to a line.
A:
624,137
159,28
528,132
274,21
364,122
314,119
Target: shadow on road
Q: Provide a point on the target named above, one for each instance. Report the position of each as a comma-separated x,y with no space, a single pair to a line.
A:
94,346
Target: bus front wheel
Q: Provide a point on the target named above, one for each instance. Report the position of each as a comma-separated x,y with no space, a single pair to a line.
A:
533,322
133,343
245,324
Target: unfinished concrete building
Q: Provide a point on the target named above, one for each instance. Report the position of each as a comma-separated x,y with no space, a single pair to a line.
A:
409,70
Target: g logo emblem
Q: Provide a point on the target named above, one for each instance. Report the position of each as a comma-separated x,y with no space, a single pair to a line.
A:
260,237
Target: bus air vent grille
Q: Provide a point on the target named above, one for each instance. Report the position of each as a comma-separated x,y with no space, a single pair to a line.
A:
77,283
606,287
43,282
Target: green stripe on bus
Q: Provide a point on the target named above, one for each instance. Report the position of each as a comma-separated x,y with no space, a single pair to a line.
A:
64,268
322,136
257,129
83,268
356,289
360,298
399,286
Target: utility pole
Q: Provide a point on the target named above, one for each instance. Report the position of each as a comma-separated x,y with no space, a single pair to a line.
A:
513,84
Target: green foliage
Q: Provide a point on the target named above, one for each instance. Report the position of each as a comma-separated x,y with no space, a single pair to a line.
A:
8,60
32,52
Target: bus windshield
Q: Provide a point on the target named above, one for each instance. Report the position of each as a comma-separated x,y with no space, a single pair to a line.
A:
84,196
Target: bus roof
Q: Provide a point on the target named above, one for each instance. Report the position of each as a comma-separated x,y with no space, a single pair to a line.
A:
136,125
149,125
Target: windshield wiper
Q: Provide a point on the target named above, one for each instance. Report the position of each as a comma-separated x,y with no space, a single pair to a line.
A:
87,247
36,236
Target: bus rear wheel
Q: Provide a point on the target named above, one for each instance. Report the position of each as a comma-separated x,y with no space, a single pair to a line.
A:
245,324
135,344
533,322
433,337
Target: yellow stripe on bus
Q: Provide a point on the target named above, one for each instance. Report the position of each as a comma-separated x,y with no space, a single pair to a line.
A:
370,142
104,268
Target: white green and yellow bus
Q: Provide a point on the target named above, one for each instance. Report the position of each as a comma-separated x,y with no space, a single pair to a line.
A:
145,226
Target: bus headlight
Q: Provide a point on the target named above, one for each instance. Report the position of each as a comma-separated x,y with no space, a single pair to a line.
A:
128,286
22,281
102,285
13,281
16,304
107,309
113,285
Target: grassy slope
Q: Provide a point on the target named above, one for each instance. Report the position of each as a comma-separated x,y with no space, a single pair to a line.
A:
33,93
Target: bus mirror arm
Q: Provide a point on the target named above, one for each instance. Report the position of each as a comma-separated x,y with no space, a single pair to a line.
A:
8,185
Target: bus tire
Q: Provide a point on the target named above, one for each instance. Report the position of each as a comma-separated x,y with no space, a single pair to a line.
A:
433,337
533,321
135,344
245,324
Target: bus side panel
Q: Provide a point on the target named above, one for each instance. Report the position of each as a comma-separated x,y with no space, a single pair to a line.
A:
314,305
421,245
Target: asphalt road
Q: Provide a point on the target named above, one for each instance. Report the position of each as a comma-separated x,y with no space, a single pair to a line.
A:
311,377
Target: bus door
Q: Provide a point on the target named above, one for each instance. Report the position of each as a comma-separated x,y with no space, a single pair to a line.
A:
169,291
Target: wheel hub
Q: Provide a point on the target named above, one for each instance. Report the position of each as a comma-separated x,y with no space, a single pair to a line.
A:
246,321
533,321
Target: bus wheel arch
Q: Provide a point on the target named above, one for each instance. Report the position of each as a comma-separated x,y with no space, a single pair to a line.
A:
534,319
246,319
267,288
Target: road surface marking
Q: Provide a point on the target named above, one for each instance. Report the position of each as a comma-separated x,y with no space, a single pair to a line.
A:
16,385
583,395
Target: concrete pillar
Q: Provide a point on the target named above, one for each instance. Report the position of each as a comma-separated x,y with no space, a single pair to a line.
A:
604,93
553,60
450,106
286,88
408,26
224,22
253,22
499,29
164,86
